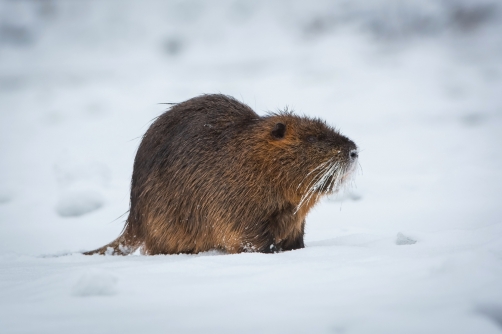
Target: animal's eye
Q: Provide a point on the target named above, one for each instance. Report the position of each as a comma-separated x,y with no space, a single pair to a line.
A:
312,139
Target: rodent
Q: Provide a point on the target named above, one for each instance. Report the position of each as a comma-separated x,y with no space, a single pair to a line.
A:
212,174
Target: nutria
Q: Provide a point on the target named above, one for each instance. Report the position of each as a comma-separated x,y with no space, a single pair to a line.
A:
212,174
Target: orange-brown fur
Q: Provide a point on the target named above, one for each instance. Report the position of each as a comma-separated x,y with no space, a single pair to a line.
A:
212,174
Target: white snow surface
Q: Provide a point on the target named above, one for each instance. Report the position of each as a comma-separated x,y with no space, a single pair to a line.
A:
413,246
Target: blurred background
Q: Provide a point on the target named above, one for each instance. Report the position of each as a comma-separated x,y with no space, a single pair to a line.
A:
416,84
414,245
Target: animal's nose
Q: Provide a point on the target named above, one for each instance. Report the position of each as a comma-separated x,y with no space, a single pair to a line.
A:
353,154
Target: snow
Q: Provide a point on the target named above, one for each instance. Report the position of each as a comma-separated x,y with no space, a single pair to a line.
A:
95,284
414,245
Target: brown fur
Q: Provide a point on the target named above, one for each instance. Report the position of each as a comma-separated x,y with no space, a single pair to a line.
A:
212,174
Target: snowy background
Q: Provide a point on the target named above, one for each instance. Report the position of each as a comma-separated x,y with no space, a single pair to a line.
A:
414,247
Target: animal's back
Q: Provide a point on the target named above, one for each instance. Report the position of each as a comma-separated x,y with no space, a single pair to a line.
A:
177,173
199,126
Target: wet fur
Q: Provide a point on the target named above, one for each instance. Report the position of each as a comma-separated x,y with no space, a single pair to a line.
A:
212,174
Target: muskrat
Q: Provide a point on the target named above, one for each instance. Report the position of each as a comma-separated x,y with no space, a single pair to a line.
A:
212,174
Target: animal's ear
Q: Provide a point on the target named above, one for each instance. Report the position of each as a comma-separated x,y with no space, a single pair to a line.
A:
279,131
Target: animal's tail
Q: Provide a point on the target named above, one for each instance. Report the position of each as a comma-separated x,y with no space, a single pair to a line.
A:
125,244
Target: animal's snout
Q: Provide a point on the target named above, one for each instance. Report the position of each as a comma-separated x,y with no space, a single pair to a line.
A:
353,154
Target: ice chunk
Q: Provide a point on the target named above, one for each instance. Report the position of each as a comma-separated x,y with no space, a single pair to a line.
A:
402,239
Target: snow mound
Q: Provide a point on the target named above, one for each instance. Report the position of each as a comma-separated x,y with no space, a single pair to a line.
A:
402,239
74,172
96,283
79,203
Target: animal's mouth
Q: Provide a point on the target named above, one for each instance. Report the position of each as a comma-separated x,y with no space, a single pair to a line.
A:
334,181
328,178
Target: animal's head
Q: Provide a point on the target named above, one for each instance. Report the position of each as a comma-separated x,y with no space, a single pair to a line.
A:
312,157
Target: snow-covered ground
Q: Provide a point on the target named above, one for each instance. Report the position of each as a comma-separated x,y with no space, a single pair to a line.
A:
414,247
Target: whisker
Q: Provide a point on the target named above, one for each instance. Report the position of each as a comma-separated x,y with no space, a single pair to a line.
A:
321,183
311,187
312,182
318,183
320,166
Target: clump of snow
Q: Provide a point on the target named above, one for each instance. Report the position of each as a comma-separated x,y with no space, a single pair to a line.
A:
109,251
95,283
402,239
78,203
138,252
